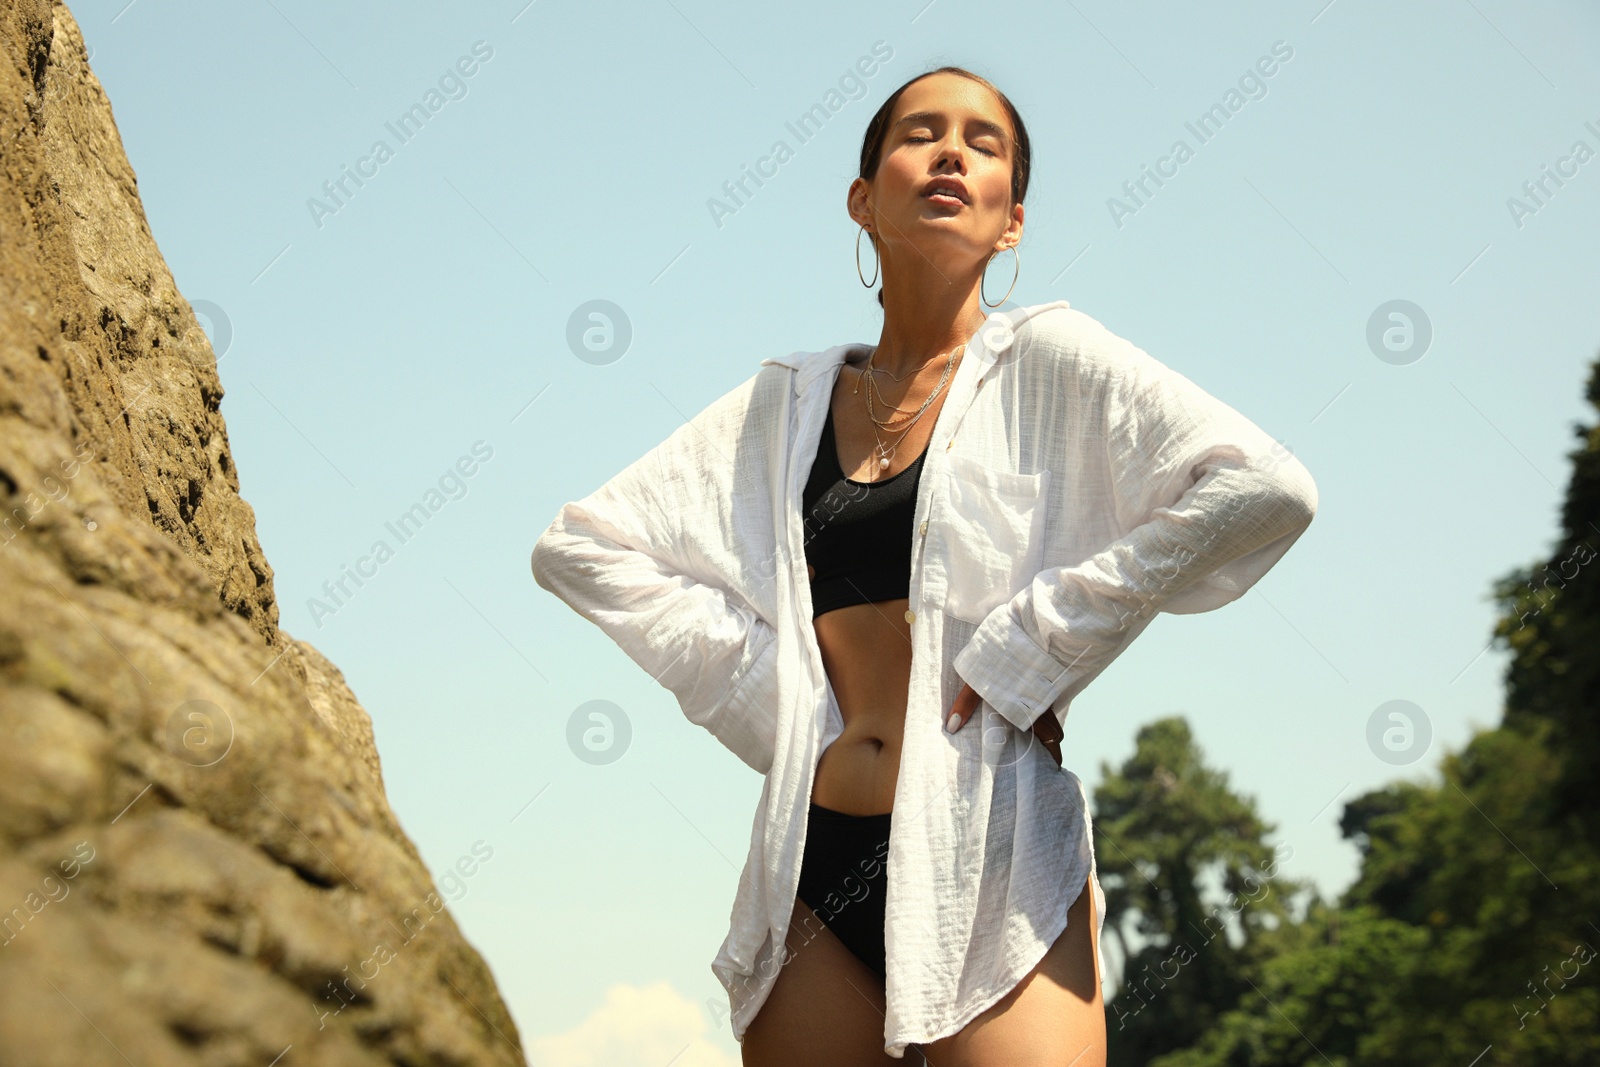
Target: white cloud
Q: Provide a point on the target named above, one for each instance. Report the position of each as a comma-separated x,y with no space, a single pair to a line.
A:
635,1026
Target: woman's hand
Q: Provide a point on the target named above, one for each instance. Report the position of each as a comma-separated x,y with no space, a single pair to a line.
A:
1045,727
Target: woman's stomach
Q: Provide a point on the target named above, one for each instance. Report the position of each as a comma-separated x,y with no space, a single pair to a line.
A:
866,650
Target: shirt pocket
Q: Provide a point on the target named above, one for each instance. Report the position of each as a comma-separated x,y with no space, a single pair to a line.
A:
990,534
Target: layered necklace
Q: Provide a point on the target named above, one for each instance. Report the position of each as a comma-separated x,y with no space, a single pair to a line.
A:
885,452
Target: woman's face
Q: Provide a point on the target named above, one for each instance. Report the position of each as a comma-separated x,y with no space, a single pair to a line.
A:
942,192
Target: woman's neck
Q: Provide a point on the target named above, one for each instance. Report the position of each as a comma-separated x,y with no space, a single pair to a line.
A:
918,331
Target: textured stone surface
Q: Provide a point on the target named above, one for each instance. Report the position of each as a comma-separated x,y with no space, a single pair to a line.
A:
198,864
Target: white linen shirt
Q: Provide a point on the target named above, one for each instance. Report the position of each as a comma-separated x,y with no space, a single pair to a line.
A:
1073,487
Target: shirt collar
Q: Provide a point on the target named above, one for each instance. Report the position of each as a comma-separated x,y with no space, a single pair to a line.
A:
992,338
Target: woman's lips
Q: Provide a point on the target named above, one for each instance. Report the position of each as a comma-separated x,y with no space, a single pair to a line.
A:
946,198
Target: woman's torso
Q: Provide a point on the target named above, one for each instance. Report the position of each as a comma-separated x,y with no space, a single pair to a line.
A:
866,647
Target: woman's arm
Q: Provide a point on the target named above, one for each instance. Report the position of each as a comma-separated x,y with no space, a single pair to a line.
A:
716,655
651,558
1209,503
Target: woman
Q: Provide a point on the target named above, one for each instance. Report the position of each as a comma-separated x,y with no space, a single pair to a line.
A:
840,563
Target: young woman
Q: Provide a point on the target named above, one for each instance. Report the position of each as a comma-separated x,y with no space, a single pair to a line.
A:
838,564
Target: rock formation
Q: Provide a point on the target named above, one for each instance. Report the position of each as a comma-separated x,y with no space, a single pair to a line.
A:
198,864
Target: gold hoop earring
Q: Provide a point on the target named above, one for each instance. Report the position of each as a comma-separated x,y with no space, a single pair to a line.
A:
1017,270
876,266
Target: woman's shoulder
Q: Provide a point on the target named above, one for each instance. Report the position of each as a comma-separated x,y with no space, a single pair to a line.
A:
1080,354
742,414
1066,346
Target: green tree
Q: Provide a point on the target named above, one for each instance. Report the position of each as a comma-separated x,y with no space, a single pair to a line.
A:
1470,935
1312,1002
1551,624
1190,880
1454,945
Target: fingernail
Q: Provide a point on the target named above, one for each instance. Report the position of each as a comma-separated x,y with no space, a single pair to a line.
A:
951,723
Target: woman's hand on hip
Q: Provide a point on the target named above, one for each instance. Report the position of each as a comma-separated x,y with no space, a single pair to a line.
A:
1045,727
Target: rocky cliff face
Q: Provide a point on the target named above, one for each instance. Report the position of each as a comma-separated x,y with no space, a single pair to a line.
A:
198,864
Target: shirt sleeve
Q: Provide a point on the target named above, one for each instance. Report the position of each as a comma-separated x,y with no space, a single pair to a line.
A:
625,559
1208,503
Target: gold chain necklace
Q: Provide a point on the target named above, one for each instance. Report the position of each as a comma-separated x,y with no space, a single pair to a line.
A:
886,452
869,371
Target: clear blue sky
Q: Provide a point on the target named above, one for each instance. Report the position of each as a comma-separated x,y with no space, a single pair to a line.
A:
372,347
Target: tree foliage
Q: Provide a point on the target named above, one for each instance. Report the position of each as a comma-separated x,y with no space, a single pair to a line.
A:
1189,881
1470,934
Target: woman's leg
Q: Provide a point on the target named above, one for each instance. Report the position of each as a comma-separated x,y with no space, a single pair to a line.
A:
1055,1016
826,1006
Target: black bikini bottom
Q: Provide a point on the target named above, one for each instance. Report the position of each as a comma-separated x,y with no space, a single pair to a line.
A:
844,877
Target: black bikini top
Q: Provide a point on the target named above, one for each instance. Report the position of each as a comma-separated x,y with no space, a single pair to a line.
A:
858,535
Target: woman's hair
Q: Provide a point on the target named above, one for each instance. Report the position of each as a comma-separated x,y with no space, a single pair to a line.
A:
878,131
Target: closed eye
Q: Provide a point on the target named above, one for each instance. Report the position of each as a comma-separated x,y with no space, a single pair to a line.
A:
920,140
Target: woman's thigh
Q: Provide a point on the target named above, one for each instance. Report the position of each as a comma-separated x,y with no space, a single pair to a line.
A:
826,1006
1055,1016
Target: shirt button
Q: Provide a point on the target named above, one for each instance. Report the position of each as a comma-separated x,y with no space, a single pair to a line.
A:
924,528
911,616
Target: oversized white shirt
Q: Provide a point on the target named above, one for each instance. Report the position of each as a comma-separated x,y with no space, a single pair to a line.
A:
1073,487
